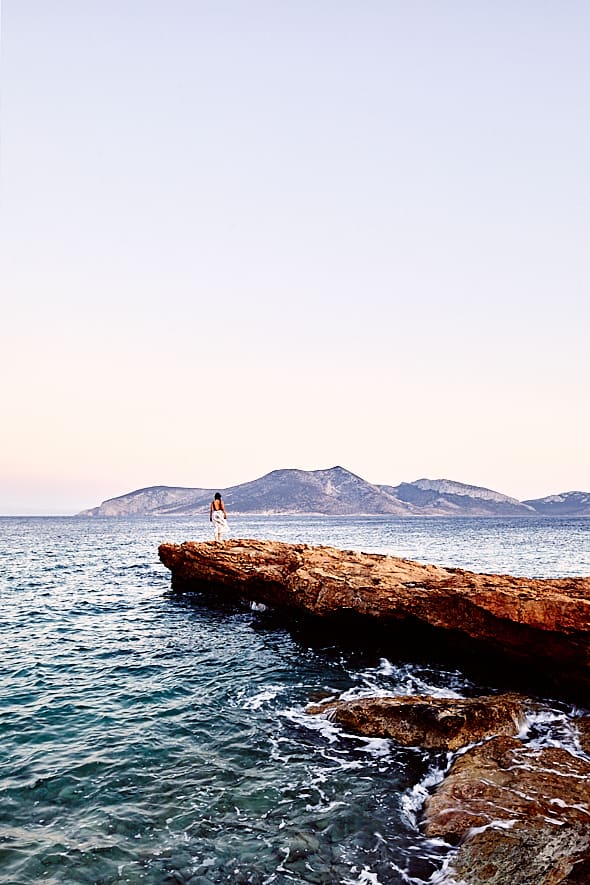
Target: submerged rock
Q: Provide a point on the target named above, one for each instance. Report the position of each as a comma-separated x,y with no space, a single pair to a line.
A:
515,626
425,721
523,813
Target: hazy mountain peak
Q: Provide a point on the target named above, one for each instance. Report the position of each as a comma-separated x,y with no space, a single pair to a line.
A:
563,504
564,496
450,487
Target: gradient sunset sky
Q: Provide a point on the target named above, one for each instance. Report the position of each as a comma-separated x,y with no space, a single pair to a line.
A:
238,236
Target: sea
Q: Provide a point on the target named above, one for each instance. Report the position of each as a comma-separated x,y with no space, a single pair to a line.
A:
147,737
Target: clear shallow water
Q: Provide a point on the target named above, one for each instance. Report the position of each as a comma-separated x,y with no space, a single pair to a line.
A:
147,739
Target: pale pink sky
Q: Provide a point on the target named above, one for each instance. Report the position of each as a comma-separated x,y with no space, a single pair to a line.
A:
243,236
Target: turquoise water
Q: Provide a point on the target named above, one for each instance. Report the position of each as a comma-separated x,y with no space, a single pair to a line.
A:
151,739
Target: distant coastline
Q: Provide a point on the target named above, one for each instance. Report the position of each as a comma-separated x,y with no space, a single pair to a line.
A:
338,492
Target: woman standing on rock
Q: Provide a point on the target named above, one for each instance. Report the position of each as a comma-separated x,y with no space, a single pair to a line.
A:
218,516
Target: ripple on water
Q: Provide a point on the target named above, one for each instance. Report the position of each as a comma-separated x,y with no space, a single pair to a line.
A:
148,739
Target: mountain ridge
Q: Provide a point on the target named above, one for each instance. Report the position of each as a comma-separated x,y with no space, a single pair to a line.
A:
337,491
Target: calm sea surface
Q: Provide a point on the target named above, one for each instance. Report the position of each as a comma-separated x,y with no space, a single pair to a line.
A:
150,739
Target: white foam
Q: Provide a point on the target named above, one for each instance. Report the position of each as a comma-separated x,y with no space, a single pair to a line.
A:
386,668
378,747
365,877
446,875
258,607
314,723
413,799
366,691
258,700
325,807
554,729
408,681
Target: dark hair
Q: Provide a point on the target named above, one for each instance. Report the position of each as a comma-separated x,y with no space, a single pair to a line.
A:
217,496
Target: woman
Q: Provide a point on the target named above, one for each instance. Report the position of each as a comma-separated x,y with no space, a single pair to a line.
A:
218,516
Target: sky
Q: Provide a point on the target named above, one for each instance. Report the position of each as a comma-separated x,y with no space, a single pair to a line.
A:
242,235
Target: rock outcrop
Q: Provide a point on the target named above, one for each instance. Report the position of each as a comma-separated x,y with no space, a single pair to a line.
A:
521,629
523,815
518,814
543,855
425,721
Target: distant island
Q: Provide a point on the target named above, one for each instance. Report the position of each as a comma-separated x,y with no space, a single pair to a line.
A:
338,492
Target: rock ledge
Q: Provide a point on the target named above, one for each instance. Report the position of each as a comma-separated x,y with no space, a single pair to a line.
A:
521,626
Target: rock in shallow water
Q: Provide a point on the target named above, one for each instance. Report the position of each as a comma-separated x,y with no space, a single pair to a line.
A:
430,722
523,813
544,856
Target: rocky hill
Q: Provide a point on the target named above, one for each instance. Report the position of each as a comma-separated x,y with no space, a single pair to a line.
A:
442,497
566,504
339,492
153,501
334,491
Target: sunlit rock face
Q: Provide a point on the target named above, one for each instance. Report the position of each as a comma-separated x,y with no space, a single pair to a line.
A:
515,625
523,814
535,855
430,722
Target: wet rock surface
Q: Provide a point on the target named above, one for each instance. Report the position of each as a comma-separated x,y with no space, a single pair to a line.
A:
425,721
519,814
524,856
504,780
523,813
539,628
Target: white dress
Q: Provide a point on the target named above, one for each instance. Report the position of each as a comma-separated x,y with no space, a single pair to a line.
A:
219,523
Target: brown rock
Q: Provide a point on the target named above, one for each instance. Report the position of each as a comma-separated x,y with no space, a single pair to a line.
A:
543,856
501,780
524,814
431,722
539,627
